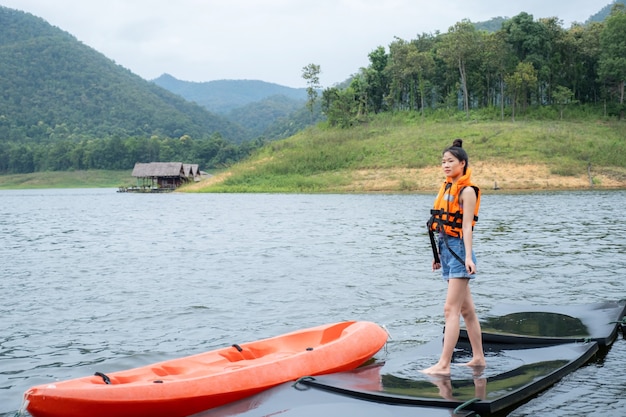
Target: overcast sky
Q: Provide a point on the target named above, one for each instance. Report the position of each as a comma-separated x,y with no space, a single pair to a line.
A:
269,40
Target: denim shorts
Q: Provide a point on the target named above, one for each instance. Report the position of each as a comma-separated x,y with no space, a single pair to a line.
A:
450,266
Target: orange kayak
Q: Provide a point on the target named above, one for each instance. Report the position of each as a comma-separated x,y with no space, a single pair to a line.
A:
185,386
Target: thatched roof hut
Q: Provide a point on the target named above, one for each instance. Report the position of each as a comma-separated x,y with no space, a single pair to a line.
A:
164,175
159,169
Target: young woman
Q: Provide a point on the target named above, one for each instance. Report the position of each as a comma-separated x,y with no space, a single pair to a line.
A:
453,217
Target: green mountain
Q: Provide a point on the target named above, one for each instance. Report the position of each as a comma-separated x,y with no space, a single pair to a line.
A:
266,110
494,24
605,12
222,96
261,115
54,87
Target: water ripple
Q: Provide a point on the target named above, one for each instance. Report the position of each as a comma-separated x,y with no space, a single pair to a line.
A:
97,281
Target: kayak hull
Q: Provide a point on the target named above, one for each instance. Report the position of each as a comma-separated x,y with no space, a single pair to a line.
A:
181,387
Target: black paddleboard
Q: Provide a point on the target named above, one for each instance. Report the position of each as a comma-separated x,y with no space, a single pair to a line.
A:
546,325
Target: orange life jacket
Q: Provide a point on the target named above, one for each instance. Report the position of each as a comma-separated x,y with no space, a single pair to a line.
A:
447,214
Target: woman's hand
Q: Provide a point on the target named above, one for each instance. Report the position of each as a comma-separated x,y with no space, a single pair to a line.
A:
436,265
470,267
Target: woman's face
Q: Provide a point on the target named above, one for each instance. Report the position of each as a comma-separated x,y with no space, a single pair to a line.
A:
451,165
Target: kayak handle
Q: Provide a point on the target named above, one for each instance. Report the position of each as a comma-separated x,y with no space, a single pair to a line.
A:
105,378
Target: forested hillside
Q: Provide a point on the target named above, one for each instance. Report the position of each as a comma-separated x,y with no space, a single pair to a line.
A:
266,110
527,68
66,106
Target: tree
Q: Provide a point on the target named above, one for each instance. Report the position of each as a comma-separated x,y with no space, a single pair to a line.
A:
400,72
408,70
376,79
525,37
613,56
497,60
551,57
358,90
520,83
563,96
425,65
582,50
311,73
458,48
339,106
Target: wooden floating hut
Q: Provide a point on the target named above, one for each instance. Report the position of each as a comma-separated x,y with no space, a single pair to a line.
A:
160,177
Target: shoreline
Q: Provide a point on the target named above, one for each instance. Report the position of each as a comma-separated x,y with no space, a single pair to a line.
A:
488,176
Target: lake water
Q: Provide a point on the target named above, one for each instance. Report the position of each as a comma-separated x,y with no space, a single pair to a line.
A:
93,280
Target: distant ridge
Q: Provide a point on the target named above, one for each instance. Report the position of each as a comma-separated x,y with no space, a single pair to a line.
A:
222,96
604,12
55,87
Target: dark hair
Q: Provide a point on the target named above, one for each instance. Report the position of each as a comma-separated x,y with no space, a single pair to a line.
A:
459,153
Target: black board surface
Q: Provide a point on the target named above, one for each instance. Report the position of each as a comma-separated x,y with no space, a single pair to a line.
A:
542,325
512,377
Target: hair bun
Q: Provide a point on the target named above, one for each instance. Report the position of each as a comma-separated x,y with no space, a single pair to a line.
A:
458,143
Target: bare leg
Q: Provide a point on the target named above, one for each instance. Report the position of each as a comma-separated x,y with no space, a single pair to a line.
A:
474,333
455,299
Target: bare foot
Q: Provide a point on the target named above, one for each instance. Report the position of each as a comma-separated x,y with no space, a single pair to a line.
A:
437,370
476,363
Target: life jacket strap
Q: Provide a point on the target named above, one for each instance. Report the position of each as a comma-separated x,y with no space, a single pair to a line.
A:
431,234
456,256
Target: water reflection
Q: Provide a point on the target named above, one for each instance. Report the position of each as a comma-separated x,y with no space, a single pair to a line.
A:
536,324
437,386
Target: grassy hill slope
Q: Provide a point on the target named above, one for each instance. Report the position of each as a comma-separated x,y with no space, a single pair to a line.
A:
399,154
402,155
